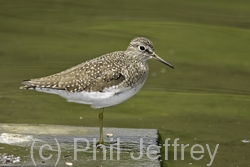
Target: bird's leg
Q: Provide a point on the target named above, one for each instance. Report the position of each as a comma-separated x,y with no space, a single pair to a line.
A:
101,125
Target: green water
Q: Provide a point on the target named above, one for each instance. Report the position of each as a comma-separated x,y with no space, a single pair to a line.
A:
204,100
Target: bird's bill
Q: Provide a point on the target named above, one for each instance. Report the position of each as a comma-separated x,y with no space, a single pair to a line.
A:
155,56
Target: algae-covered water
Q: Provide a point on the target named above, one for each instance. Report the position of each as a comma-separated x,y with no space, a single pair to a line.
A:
204,100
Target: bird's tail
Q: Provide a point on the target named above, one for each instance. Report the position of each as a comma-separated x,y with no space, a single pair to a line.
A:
27,85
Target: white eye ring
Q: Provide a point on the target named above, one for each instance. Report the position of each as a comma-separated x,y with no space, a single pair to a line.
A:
142,48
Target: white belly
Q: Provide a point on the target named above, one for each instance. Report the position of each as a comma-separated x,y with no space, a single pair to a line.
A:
108,97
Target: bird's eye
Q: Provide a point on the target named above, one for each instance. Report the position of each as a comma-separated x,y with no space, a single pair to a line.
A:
141,48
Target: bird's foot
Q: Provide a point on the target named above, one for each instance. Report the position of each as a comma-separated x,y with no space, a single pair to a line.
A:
101,144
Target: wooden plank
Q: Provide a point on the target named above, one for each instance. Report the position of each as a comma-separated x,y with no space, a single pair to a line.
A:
51,145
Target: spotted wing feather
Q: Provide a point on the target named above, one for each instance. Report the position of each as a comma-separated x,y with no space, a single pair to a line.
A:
94,75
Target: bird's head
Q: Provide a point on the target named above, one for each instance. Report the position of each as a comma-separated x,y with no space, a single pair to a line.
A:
143,49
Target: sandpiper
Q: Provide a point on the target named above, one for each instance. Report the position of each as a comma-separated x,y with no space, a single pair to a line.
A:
103,81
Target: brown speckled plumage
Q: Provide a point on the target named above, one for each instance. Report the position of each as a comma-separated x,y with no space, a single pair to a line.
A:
121,68
94,75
